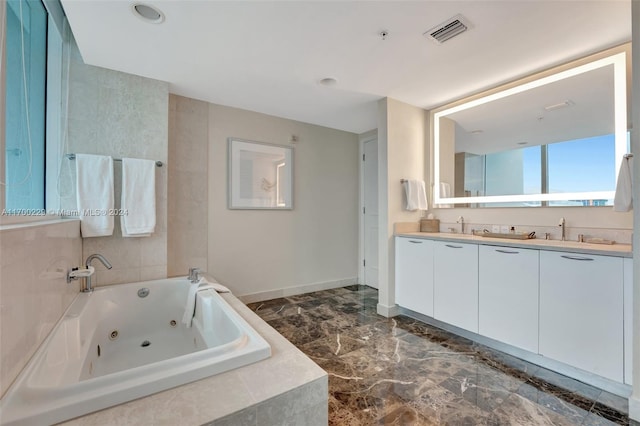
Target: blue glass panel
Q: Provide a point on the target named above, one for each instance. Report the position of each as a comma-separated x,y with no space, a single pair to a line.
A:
26,52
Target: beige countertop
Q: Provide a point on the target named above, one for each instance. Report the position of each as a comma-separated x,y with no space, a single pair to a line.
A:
622,250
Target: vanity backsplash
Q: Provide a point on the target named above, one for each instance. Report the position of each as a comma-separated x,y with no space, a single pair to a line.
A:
620,236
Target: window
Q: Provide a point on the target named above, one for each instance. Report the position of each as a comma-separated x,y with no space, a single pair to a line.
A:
25,100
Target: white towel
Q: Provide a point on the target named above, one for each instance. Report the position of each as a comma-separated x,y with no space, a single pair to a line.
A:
623,200
190,309
138,200
445,192
94,178
416,195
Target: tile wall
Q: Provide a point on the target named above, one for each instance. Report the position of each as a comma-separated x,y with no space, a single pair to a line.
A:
34,293
188,188
122,115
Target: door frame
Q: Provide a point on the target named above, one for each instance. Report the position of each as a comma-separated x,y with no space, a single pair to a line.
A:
364,137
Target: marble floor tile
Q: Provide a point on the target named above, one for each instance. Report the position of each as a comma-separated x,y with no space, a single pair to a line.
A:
400,371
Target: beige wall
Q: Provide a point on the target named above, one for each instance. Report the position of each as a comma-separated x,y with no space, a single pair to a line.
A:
122,115
258,253
401,154
34,292
316,242
188,202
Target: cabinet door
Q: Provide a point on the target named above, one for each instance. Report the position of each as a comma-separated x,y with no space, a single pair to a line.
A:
455,272
628,320
508,295
414,274
581,311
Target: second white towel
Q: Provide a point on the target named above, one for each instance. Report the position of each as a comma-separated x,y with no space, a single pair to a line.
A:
416,194
623,201
138,201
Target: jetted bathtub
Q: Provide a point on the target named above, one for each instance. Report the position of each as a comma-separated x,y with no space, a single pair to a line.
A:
126,341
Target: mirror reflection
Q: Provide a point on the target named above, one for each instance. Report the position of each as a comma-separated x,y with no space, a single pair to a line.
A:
554,141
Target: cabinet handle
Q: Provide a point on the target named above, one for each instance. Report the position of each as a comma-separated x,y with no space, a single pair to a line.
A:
507,251
415,242
450,246
577,258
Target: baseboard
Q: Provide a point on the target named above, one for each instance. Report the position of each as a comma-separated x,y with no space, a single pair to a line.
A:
634,408
292,291
387,311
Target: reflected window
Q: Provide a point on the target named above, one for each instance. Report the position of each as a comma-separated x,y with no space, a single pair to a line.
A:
580,165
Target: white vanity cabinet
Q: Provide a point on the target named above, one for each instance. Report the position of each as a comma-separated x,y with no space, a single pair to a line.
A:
455,282
581,311
508,295
414,274
628,321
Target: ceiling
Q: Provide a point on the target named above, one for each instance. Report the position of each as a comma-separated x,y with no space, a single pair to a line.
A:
269,56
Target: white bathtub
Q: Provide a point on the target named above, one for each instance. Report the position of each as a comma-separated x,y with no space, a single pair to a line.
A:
112,346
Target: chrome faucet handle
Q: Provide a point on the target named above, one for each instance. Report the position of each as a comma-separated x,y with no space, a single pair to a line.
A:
194,275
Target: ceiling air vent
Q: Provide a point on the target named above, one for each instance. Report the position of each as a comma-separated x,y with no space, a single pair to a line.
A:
448,29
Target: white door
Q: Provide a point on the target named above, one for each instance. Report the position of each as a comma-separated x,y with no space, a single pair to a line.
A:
370,212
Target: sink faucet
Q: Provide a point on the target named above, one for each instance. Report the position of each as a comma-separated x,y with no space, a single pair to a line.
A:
87,263
561,225
461,222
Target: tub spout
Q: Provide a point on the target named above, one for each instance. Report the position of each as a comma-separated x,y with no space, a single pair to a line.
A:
87,263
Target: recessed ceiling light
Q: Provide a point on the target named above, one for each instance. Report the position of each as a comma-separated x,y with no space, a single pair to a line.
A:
476,132
522,143
328,81
147,13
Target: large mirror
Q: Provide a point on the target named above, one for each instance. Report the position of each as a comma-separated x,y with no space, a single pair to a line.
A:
556,140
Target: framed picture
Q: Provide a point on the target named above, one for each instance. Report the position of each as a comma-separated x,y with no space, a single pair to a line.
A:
260,175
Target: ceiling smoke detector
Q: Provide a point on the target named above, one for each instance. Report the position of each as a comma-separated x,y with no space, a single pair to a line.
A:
448,29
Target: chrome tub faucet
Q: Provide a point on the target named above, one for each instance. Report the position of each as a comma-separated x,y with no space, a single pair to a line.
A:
194,275
87,286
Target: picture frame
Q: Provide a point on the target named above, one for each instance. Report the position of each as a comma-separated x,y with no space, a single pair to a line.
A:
260,175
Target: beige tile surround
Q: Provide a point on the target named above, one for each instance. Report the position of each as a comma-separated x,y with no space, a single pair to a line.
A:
34,292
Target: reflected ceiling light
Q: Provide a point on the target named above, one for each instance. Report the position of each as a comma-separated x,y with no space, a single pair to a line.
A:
476,132
328,81
559,105
147,13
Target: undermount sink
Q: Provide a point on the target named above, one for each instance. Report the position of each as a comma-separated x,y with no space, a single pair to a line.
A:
510,235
